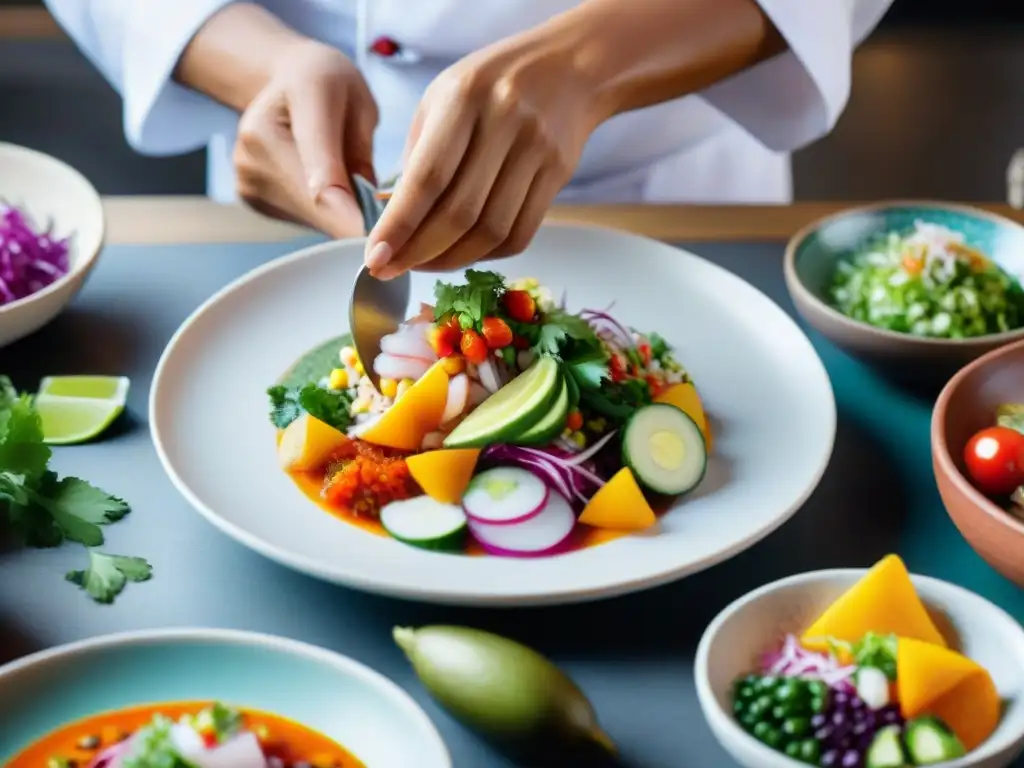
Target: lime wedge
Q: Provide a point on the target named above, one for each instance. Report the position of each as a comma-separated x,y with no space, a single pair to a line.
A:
74,409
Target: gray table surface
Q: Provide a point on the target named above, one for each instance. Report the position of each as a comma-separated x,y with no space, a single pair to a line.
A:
632,655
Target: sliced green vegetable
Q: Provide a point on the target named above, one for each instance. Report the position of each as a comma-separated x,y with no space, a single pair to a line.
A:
665,449
512,410
426,523
551,424
886,750
930,741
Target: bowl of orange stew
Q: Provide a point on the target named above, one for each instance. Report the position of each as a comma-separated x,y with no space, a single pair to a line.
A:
207,699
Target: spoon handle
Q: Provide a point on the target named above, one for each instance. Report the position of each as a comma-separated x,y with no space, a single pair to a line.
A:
370,201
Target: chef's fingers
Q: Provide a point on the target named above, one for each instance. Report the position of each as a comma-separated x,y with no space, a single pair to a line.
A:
447,129
317,117
499,214
461,208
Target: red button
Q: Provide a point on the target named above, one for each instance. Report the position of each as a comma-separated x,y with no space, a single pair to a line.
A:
385,46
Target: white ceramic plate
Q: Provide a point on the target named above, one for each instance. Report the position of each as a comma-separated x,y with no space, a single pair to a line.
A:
762,381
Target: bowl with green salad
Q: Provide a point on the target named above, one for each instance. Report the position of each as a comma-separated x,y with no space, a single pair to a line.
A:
913,285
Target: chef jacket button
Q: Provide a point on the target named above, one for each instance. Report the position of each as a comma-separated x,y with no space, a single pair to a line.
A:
385,46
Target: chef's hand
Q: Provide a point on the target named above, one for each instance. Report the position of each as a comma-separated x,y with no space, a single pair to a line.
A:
495,139
302,136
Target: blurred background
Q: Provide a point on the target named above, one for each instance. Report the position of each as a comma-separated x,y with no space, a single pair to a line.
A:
937,108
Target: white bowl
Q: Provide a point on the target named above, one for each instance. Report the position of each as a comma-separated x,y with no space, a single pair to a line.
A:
757,622
49,190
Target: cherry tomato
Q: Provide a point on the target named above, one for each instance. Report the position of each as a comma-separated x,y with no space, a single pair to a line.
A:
473,347
520,306
497,334
444,339
575,421
995,460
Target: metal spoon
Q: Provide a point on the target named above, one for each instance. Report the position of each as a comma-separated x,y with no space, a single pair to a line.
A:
377,307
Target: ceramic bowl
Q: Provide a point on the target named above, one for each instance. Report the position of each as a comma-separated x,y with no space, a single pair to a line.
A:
361,710
758,621
813,253
966,404
50,191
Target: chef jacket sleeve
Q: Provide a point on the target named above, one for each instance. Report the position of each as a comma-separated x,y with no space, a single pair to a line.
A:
136,44
795,98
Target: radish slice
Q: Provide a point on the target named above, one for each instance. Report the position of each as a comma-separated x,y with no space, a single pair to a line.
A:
488,373
458,395
243,751
543,533
397,368
505,495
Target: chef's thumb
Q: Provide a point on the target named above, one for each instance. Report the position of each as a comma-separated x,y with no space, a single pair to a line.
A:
318,124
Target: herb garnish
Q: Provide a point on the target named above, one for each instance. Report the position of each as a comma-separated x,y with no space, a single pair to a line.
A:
107,575
329,406
872,650
40,509
476,299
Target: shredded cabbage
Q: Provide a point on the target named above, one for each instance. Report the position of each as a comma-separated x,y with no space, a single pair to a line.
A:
29,260
928,283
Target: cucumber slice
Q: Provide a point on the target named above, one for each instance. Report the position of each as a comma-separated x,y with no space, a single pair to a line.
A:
665,449
511,410
426,523
930,741
886,750
551,424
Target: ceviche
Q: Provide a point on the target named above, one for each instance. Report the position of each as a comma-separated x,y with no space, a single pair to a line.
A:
504,423
185,735
872,683
928,282
994,457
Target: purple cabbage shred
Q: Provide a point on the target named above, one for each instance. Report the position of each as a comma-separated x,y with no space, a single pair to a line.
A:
29,260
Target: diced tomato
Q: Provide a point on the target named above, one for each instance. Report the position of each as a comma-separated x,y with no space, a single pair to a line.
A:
645,353
575,421
995,460
616,369
656,385
453,323
497,334
209,738
520,306
444,339
473,347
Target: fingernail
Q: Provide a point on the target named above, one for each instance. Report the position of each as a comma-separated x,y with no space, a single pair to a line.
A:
378,256
388,273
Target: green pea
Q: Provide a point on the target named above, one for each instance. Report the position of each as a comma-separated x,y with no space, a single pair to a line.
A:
739,707
795,726
773,738
783,711
793,749
817,689
747,692
748,720
817,705
761,729
810,751
789,691
750,681
761,706
767,683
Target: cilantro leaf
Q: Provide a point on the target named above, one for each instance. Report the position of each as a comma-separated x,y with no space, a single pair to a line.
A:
659,347
287,404
616,401
76,497
878,651
473,301
8,394
589,370
561,330
153,747
22,450
107,575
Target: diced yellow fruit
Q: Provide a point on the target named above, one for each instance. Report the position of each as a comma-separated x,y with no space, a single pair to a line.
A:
619,505
414,414
338,379
357,366
454,364
403,386
307,443
684,397
388,387
938,681
444,475
884,601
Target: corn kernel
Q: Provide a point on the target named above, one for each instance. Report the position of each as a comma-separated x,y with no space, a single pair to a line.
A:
348,356
453,364
388,387
358,368
361,405
579,439
338,379
403,387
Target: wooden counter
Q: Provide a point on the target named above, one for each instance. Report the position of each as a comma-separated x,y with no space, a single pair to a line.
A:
199,220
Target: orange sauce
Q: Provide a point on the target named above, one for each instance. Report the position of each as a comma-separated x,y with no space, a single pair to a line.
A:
284,738
310,483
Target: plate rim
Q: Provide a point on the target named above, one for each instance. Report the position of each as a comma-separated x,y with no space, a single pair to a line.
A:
238,637
411,591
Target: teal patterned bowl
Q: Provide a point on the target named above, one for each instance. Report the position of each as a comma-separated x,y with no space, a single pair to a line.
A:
813,253
360,709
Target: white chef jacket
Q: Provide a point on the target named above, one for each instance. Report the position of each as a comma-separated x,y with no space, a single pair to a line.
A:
728,143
